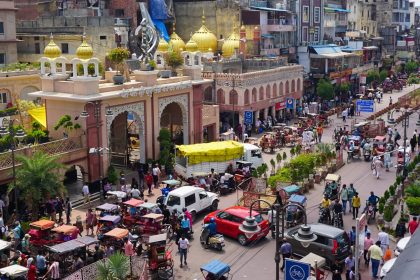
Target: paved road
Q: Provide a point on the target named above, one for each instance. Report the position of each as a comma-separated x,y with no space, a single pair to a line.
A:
257,261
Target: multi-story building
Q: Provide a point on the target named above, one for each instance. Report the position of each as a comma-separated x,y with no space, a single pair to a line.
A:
335,21
8,50
310,23
362,19
401,15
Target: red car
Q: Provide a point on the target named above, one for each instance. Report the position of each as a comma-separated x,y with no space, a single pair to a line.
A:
229,220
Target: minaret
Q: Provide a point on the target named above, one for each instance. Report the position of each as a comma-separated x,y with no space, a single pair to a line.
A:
242,41
256,39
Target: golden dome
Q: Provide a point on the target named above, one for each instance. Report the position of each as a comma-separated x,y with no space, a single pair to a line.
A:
177,44
84,51
243,28
52,50
163,45
191,46
204,38
230,44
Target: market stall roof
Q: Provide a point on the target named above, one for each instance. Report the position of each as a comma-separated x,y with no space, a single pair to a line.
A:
211,152
118,233
134,202
110,218
42,224
14,270
87,240
4,244
66,229
300,199
216,268
107,207
66,246
311,258
327,51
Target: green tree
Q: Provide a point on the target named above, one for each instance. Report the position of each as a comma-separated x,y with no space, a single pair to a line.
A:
38,178
117,267
411,66
372,75
66,123
117,56
325,90
383,75
173,59
166,150
278,158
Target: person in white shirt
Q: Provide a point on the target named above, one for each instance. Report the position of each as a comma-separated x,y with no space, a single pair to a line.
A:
86,193
183,249
155,174
135,193
384,238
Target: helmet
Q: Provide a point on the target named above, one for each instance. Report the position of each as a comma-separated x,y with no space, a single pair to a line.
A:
212,220
184,209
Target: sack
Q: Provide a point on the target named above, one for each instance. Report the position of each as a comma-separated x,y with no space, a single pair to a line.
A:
388,255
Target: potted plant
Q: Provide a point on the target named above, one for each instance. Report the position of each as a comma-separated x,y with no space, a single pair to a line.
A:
117,56
174,60
152,65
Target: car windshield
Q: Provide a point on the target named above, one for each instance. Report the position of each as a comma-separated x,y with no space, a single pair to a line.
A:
173,200
343,240
258,218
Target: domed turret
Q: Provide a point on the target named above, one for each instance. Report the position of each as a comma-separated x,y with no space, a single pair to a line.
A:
163,45
84,51
52,50
191,46
176,43
204,38
231,43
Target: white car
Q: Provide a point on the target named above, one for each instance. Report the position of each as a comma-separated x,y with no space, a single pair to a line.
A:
195,199
401,245
387,267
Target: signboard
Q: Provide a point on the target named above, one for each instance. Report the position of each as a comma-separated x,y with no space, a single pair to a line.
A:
364,106
280,105
362,222
362,79
290,102
248,117
296,270
260,185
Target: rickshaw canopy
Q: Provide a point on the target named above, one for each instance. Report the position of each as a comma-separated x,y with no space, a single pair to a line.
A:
153,216
296,198
360,124
118,194
291,189
4,245
110,218
87,240
107,207
157,238
172,182
216,267
42,224
200,174
118,233
355,138
311,258
211,152
244,163
66,246
14,270
333,177
66,229
134,202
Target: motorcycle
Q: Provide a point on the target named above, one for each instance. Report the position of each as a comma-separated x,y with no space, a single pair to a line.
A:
337,220
367,154
323,216
216,241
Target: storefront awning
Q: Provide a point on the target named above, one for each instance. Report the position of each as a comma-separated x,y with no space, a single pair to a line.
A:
39,115
267,36
336,10
269,9
370,48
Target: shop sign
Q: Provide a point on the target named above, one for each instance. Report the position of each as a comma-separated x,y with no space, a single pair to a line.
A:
362,79
280,105
341,74
290,102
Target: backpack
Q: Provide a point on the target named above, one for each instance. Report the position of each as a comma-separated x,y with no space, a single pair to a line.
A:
398,136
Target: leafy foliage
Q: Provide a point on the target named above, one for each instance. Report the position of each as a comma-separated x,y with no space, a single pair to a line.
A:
325,90
413,190
117,267
38,178
411,66
383,75
26,105
278,158
66,123
166,149
91,69
413,204
112,175
372,75
118,55
174,59
388,213
413,79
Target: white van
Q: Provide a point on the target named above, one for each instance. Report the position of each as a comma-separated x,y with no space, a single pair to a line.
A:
195,199
253,154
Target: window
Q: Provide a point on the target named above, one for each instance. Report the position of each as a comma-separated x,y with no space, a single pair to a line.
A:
305,13
224,216
316,36
2,58
64,47
190,200
342,16
203,195
237,220
321,239
173,200
305,34
36,38
119,12
102,37
3,97
316,14
1,28
37,48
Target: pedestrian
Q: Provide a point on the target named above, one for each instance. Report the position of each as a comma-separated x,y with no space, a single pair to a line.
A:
336,270
68,209
90,221
378,164
156,174
397,137
351,191
389,132
185,225
17,235
59,208
375,255
140,172
344,194
184,244
249,129
41,263
400,229
352,235
366,245
128,247
149,181
26,244
285,251
319,131
390,101
413,225
98,254
86,193
383,237
31,269
344,114
349,264
413,142
54,270
355,203
135,193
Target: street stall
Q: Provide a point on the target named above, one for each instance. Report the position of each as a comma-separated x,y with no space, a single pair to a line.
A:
215,270
317,263
14,272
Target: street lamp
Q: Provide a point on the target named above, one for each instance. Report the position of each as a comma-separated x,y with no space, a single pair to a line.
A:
20,134
108,113
304,235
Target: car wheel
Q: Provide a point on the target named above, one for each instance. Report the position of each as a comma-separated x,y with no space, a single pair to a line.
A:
219,247
193,216
242,239
214,205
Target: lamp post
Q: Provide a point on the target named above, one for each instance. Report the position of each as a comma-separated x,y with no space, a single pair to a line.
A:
97,111
20,134
304,235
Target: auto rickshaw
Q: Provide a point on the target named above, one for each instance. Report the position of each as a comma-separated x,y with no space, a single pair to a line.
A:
356,151
380,146
216,270
107,223
131,211
107,209
65,233
294,215
160,258
14,271
40,232
269,142
150,224
290,190
115,237
332,186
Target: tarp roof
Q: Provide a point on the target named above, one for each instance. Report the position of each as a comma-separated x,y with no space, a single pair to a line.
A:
39,115
327,51
269,9
336,10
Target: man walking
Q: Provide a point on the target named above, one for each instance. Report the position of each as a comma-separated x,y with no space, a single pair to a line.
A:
375,254
86,193
413,225
356,205
368,242
378,165
344,197
383,237
156,173
349,263
285,251
183,249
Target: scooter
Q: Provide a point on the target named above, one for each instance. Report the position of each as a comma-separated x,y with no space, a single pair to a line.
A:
323,216
216,241
367,154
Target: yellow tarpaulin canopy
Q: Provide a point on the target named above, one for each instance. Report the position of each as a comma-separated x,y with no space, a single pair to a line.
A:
210,152
39,115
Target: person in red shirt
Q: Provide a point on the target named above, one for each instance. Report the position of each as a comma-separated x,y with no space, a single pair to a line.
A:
32,269
413,225
149,181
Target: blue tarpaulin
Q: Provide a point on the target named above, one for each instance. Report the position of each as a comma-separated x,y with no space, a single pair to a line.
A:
161,28
158,9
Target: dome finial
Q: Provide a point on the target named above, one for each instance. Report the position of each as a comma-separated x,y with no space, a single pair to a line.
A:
174,26
51,36
203,18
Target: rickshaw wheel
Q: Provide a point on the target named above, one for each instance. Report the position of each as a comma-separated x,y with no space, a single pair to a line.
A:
165,273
